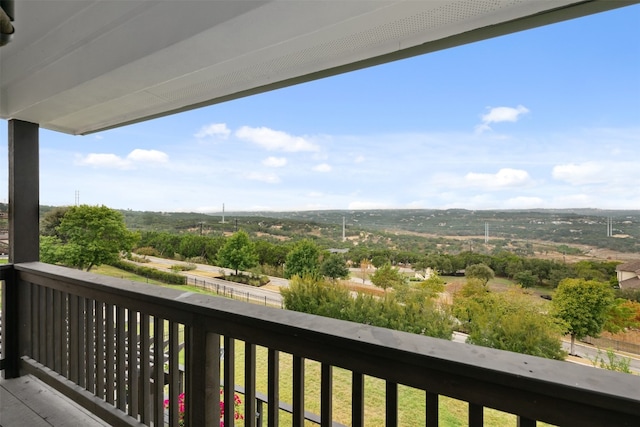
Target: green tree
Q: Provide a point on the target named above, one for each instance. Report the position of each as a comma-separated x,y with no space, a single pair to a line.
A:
270,253
388,277
238,252
192,246
526,278
51,221
334,267
583,306
303,260
622,315
507,321
479,271
88,236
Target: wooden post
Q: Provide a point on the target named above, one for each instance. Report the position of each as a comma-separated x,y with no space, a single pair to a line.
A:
24,187
24,230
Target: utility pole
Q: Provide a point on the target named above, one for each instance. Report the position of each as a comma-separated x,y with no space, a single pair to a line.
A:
486,233
344,236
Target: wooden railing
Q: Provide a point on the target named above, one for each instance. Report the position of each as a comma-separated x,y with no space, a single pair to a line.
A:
96,340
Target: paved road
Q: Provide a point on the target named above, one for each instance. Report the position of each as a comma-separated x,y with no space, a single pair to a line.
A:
589,353
226,286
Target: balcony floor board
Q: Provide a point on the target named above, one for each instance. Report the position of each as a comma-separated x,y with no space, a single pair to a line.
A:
26,401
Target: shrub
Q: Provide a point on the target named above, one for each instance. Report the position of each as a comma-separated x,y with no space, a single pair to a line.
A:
151,273
147,251
183,267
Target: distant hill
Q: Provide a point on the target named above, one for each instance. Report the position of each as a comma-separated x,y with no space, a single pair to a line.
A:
409,229
569,226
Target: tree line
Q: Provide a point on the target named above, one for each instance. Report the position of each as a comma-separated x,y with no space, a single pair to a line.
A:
84,236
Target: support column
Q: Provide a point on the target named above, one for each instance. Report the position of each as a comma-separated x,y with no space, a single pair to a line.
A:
24,192
24,244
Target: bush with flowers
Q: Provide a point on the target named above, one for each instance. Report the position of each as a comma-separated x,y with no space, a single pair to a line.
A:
181,422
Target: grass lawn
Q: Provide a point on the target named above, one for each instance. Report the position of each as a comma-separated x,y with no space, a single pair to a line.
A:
411,402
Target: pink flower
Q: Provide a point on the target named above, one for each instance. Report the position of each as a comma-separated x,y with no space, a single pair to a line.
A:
236,404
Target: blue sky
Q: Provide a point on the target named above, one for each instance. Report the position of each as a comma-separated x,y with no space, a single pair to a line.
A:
547,118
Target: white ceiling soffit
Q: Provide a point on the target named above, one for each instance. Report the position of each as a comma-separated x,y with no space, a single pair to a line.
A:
80,66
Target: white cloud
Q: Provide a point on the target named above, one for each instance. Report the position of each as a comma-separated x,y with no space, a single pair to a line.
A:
104,160
359,159
269,178
580,174
148,156
275,162
219,130
504,178
113,161
501,114
322,167
274,140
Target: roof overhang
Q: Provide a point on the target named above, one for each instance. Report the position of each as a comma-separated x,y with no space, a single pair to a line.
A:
81,66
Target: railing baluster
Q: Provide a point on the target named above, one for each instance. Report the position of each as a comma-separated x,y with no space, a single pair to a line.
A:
90,344
65,331
121,354
432,409
82,343
298,390
357,400
250,409
24,331
391,404
110,356
476,415
57,332
326,395
74,320
132,363
50,331
35,322
174,373
145,370
273,417
158,371
100,350
229,380
82,373
42,325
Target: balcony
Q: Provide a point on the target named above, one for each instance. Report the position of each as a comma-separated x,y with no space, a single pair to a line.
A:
120,349
96,339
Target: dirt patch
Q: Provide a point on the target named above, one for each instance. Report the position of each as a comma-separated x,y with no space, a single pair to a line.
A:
363,288
271,287
201,273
